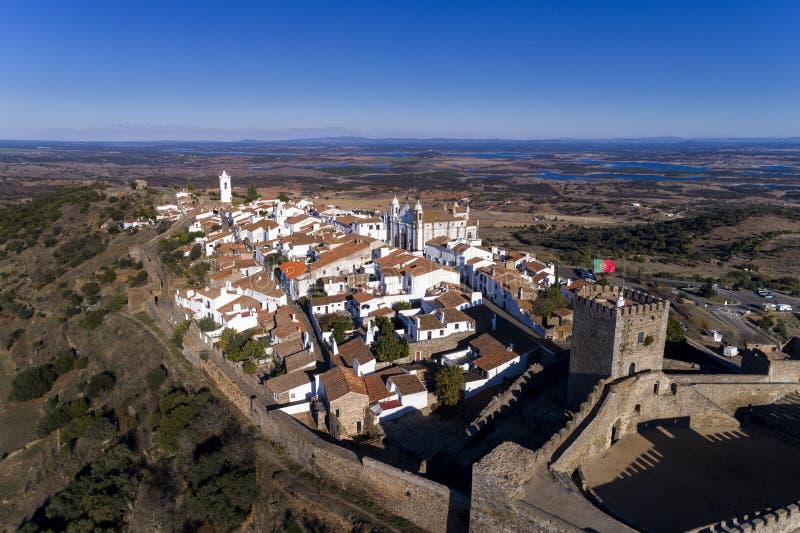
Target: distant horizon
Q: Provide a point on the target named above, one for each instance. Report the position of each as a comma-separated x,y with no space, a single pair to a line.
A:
368,139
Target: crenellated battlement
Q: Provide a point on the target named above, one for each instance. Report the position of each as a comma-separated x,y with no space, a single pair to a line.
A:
602,301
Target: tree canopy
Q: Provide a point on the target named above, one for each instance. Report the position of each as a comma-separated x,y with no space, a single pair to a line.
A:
449,380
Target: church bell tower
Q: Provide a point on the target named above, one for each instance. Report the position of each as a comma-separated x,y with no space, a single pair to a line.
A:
225,188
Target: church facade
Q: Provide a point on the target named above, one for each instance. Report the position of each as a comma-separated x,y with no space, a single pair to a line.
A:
411,228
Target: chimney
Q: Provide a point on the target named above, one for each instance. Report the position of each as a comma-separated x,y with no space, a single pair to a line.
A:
294,317
510,347
334,347
494,322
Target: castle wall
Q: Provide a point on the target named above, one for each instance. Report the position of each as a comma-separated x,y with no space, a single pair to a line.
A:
635,401
429,505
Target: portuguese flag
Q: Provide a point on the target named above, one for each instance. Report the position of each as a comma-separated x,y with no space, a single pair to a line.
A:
602,266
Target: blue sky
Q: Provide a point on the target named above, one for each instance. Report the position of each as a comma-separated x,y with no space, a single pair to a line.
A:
232,70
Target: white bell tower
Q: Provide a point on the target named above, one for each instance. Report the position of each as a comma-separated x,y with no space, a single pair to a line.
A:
225,188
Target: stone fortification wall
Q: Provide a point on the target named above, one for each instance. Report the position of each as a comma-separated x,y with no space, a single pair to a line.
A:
427,504
637,400
781,520
732,397
497,482
503,402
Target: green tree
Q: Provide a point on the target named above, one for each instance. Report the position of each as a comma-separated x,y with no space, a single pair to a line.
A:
250,368
208,324
388,346
675,331
196,251
283,197
548,301
252,193
781,330
449,380
707,290
156,377
340,325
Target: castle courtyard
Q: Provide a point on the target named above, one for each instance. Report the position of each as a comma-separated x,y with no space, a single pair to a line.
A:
681,478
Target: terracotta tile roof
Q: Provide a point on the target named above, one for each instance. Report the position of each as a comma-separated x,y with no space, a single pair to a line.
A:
383,311
298,218
376,383
245,302
563,312
355,350
487,344
540,277
452,299
288,381
428,322
265,224
534,266
290,347
363,297
389,404
293,269
438,241
340,381
451,315
407,384
346,220
577,285
327,300
299,361
493,360
438,216
339,253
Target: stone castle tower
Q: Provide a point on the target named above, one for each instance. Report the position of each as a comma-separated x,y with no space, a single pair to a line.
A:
225,188
616,332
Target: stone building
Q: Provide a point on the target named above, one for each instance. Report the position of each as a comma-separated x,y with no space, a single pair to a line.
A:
615,332
345,398
411,229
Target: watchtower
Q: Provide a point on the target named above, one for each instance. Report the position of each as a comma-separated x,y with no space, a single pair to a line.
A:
615,332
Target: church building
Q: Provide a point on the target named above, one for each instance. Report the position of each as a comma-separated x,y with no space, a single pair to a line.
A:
411,228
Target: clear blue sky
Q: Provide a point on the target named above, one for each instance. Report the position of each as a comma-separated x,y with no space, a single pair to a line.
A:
231,70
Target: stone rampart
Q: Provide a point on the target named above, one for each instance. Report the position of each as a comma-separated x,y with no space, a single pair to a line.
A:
633,401
784,519
497,482
427,504
503,402
734,396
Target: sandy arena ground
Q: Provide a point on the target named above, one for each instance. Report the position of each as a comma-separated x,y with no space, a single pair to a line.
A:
679,478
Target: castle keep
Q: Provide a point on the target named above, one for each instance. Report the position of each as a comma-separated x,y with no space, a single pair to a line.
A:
616,332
